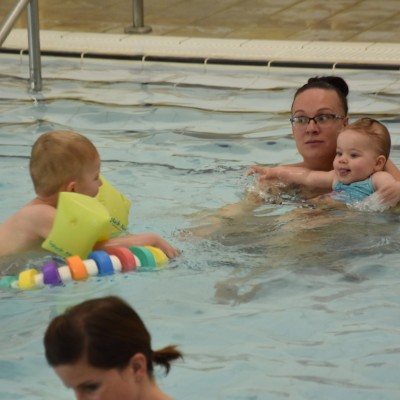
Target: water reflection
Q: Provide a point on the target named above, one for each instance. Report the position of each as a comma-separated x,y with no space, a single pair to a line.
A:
315,237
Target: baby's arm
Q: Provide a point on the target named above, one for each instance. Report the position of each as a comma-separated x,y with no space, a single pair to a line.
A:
257,169
142,239
387,187
299,175
392,169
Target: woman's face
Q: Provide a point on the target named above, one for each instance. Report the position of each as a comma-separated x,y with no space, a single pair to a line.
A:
91,383
317,140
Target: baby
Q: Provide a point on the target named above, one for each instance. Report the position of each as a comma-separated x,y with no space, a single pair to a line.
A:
363,148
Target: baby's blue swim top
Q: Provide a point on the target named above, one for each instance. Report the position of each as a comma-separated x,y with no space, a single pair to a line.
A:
356,191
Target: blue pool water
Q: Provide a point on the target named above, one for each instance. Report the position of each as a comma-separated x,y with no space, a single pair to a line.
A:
278,303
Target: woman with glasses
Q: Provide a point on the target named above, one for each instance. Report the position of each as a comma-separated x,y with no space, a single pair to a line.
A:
319,114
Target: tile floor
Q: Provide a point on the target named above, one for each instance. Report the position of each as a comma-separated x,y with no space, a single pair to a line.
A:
316,20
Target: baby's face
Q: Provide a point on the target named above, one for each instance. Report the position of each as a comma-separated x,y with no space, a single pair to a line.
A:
90,182
355,158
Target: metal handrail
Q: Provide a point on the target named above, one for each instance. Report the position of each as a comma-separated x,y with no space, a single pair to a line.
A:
35,64
35,68
12,16
138,19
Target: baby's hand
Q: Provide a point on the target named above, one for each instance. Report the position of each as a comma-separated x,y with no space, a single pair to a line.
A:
256,169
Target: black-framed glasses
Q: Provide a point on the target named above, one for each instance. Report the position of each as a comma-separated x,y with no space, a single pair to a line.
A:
320,119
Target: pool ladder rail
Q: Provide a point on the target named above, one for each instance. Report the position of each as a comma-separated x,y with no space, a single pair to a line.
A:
98,263
35,65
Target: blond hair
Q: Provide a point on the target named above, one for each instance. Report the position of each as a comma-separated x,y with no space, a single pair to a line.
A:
58,157
376,131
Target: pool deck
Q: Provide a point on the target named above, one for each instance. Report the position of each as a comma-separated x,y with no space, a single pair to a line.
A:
343,31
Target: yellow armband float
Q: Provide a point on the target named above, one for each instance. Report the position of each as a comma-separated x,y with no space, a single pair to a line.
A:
82,221
117,205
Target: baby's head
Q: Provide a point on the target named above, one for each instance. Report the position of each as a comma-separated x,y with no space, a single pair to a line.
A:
377,132
363,148
63,161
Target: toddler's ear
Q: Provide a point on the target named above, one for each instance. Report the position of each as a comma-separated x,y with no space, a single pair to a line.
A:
70,187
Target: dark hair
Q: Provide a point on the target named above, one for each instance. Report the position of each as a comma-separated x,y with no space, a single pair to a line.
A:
335,83
107,331
375,130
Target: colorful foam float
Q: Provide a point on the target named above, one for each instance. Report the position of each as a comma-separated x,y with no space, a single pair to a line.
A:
81,222
98,263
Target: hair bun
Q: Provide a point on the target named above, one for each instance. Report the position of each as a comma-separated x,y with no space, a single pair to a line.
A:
336,81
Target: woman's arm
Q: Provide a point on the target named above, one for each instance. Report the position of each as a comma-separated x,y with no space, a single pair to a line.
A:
387,187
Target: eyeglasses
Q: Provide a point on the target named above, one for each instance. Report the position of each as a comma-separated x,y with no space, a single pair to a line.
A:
321,119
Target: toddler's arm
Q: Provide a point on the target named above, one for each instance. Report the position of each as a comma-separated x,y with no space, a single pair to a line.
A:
141,239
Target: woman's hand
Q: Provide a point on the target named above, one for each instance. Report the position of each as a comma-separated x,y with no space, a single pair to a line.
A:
389,193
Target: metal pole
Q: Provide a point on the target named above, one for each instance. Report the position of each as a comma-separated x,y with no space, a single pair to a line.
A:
138,19
13,15
35,67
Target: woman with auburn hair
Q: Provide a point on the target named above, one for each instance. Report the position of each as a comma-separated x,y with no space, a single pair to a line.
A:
102,350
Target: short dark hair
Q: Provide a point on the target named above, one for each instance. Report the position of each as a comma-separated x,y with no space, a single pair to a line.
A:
335,83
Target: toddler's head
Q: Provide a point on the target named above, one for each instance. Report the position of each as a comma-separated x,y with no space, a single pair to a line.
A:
61,157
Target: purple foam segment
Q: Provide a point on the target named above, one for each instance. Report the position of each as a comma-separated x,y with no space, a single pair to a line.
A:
50,273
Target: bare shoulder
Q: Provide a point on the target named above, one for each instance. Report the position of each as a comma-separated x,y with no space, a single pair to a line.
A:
30,217
381,174
26,228
32,214
382,177
37,209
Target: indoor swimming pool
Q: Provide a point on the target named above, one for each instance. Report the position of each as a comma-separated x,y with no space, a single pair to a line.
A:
274,304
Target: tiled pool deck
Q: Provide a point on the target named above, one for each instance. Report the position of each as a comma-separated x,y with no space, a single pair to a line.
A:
305,30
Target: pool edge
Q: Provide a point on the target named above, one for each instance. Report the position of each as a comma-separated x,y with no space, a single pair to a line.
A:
270,52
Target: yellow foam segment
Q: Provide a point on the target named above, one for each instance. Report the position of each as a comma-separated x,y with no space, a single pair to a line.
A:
80,222
159,256
117,205
26,279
